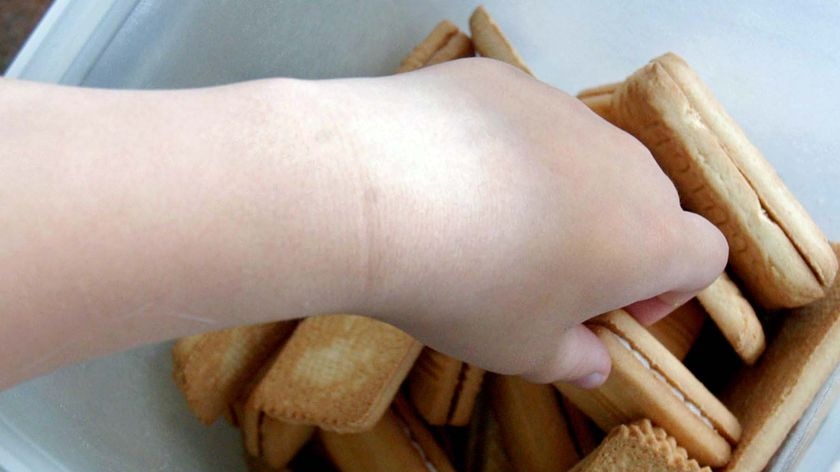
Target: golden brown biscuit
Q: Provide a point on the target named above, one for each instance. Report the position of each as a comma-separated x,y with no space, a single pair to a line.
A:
533,429
249,420
484,450
273,441
639,446
444,389
770,397
647,381
599,99
606,89
444,43
490,42
776,249
280,442
212,369
258,464
735,317
399,441
339,372
678,331
585,433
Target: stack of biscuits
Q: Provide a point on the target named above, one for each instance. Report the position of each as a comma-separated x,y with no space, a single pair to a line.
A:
349,393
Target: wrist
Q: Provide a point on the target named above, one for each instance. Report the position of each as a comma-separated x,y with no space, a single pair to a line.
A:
315,199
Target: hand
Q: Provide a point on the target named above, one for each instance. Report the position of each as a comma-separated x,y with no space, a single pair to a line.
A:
499,214
483,212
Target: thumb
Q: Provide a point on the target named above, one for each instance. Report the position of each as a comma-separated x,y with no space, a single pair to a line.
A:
580,358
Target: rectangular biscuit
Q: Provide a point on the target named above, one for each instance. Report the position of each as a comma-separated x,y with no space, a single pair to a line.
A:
585,433
212,369
647,381
735,317
533,429
490,42
599,99
770,397
398,441
484,451
444,389
776,249
678,331
339,372
444,43
639,446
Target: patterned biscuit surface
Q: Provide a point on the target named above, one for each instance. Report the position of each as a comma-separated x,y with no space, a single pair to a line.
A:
775,248
339,372
639,446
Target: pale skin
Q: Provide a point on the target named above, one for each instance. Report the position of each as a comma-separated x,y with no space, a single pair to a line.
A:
485,213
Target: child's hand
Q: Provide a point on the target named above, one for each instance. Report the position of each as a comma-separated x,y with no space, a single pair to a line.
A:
499,214
485,213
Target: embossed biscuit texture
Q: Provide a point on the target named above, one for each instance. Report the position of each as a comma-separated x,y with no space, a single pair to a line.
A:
780,254
639,446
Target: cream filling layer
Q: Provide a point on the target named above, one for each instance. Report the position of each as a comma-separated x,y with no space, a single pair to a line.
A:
692,407
431,467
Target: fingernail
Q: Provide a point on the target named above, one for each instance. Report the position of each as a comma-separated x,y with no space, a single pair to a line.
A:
592,380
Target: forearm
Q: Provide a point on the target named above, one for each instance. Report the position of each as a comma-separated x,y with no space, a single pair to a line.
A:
132,217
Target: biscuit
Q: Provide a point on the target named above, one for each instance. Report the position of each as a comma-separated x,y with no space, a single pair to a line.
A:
444,389
489,41
639,446
484,449
280,442
273,441
444,43
586,435
735,317
776,250
212,369
770,397
678,331
599,99
647,381
258,464
339,372
398,441
533,429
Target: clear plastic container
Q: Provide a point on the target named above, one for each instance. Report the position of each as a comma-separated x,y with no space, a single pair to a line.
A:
775,68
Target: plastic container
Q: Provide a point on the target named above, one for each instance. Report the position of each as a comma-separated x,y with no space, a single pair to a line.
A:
775,68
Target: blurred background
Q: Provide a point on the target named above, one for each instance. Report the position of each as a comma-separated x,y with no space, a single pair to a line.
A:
17,19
